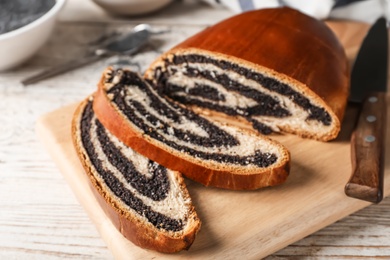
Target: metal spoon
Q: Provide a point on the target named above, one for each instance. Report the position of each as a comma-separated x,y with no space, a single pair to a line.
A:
126,44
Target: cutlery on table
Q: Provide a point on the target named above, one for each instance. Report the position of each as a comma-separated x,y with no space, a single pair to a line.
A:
126,44
368,91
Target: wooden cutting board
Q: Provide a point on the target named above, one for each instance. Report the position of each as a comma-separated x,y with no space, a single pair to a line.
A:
248,225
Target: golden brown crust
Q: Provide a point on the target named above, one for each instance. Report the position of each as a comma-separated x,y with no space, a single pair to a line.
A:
285,43
138,232
117,124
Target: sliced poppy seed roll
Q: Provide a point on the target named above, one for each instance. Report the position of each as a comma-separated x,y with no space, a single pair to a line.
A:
278,69
210,153
147,203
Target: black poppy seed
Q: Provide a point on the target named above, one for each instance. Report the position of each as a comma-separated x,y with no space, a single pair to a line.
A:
157,219
216,137
315,113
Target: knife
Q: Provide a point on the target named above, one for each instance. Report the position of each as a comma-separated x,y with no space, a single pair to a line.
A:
368,90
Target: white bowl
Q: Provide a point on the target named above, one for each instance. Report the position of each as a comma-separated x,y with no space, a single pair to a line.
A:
19,45
132,7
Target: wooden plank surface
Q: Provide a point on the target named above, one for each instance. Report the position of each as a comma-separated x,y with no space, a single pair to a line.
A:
235,224
40,218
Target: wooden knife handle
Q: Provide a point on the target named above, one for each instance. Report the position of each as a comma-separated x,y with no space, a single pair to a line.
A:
367,150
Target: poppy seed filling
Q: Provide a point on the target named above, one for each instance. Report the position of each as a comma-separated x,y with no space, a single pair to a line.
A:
149,111
207,95
155,188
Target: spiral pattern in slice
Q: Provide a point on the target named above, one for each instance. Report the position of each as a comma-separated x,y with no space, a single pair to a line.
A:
142,186
182,130
220,85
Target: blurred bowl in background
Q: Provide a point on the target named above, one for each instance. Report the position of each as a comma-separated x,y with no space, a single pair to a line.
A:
18,45
132,7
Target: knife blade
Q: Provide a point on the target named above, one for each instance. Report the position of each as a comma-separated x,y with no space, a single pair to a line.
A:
368,90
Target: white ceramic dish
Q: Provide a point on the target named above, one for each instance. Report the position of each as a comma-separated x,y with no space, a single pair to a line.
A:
19,45
132,7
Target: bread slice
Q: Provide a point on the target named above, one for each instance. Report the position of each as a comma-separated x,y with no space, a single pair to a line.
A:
147,203
210,153
277,68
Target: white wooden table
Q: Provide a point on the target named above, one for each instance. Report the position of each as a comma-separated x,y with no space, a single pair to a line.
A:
39,215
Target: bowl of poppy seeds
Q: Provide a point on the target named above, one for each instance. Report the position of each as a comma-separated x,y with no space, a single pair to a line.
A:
25,26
